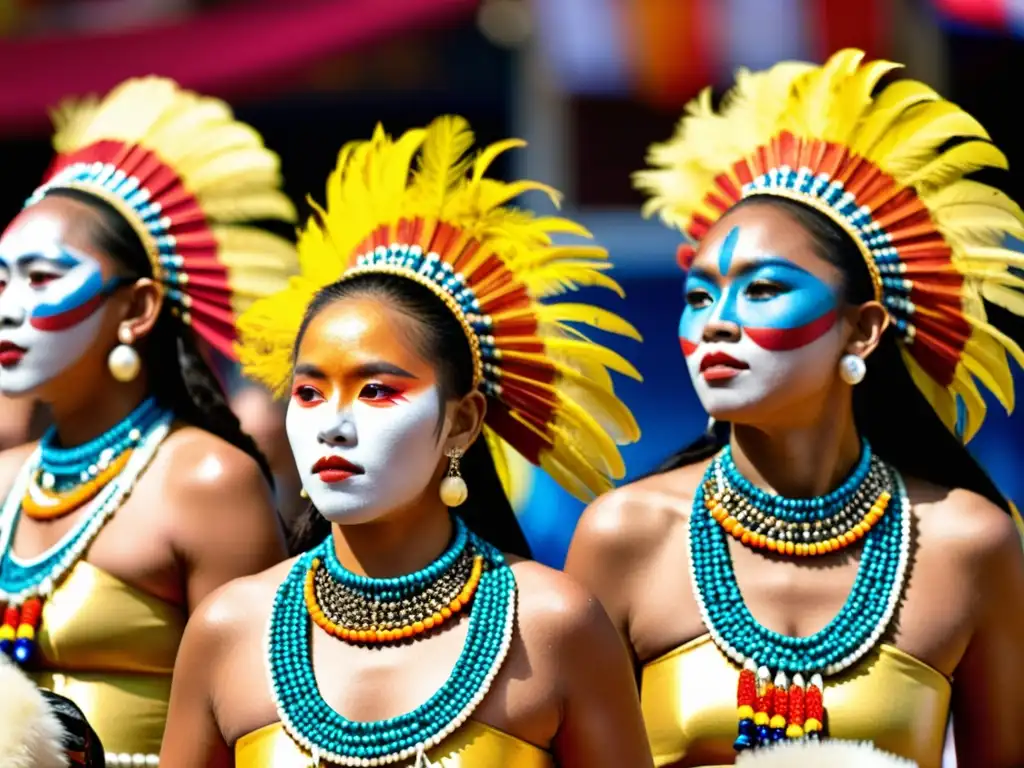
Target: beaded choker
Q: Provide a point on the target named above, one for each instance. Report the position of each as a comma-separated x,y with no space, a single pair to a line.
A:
361,610
801,527
393,610
26,583
67,478
781,682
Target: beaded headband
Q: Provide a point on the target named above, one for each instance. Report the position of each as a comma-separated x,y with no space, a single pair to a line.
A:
891,170
186,176
442,223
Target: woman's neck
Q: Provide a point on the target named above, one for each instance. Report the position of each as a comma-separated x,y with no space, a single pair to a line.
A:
88,414
400,543
801,462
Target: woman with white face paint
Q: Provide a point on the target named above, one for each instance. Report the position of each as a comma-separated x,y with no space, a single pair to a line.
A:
145,495
829,559
417,352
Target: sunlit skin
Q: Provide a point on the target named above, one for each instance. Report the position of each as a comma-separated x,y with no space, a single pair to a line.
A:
375,415
793,432
202,512
363,391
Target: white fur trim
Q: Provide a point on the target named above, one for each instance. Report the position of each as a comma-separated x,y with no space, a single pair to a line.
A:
31,736
816,754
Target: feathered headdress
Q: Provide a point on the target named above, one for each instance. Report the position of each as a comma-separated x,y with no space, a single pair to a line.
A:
186,176
441,222
891,170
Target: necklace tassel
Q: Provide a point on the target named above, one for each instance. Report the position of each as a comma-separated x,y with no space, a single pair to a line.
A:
774,710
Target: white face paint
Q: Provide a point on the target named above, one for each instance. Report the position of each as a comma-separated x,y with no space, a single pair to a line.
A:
760,333
49,297
363,418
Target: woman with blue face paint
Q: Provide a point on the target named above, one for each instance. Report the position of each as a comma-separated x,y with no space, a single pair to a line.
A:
828,562
126,267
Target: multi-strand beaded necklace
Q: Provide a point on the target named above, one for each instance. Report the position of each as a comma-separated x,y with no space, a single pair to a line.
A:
781,682
470,576
26,583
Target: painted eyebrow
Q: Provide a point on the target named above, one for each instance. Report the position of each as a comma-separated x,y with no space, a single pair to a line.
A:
746,269
63,260
364,371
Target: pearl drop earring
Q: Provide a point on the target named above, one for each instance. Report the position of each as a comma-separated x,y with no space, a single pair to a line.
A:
124,362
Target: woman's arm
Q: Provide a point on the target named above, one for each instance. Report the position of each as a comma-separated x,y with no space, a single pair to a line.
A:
192,738
989,680
224,523
601,724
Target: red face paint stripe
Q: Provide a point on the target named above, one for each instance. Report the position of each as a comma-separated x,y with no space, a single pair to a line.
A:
67,319
688,346
786,339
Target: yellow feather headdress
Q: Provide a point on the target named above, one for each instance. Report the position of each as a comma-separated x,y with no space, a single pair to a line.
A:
420,206
892,170
187,176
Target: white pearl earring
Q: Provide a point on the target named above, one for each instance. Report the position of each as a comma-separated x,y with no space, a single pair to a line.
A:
124,362
453,491
852,369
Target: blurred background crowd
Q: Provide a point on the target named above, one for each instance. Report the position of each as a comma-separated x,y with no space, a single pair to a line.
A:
589,83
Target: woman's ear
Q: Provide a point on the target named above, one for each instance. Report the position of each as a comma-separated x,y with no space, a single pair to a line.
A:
869,323
467,421
144,302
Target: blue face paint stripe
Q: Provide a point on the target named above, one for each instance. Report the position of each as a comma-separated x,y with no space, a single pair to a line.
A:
92,287
727,251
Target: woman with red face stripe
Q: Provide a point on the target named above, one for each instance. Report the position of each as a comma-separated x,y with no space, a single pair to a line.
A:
134,255
828,562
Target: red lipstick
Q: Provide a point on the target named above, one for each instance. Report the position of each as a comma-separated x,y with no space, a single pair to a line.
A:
718,366
10,354
335,469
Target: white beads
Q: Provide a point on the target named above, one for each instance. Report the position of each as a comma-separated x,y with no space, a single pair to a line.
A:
420,749
138,760
97,513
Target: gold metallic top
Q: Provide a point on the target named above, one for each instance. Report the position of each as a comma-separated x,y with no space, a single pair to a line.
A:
890,698
110,648
474,745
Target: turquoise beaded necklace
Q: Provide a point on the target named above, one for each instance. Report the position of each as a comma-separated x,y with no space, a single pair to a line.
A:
774,708
26,583
61,468
327,735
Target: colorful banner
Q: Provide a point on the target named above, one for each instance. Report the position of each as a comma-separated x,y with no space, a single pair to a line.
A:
223,52
667,50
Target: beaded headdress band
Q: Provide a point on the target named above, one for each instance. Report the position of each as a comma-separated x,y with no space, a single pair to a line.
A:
187,176
891,170
442,223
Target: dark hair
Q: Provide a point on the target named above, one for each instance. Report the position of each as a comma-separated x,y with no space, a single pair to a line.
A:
181,380
888,408
439,337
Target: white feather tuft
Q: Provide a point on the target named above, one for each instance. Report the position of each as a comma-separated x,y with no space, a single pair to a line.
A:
31,736
818,754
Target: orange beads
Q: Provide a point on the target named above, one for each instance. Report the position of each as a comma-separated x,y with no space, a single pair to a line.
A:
378,635
749,538
53,505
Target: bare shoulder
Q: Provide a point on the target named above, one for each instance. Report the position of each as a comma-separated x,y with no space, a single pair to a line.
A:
969,528
238,608
556,612
11,462
640,517
198,462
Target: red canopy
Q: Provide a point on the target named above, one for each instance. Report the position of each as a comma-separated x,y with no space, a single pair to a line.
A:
221,52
